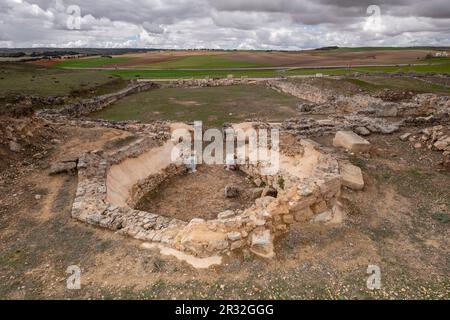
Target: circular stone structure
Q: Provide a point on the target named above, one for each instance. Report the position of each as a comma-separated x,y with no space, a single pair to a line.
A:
111,184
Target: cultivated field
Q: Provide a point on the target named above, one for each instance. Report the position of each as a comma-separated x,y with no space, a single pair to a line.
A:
241,59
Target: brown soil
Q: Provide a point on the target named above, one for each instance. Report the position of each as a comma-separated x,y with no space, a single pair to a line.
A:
199,195
318,58
148,58
45,62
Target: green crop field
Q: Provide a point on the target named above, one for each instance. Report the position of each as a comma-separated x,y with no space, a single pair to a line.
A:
91,62
212,105
23,78
269,73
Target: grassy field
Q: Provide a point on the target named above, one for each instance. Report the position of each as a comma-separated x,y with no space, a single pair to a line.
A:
212,105
22,78
91,62
431,68
374,84
267,73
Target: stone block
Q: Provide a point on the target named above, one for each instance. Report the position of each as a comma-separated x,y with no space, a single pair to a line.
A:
303,215
351,141
351,176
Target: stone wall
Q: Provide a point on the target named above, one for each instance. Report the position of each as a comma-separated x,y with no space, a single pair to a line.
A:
309,193
208,82
90,105
328,102
151,183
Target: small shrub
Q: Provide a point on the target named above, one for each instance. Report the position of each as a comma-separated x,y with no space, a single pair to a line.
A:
441,217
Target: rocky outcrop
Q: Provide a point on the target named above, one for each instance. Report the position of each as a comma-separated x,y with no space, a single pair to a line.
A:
312,127
327,101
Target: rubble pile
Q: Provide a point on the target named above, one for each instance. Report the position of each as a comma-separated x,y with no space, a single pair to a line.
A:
432,138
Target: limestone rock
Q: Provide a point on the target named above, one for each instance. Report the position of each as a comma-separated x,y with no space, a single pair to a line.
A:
442,143
264,201
258,182
351,176
226,214
363,131
261,238
405,136
262,244
233,236
256,192
351,141
288,218
63,167
14,146
303,215
323,217
236,245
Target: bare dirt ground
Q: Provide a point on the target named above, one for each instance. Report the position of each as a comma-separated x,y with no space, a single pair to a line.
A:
324,58
200,194
142,59
392,223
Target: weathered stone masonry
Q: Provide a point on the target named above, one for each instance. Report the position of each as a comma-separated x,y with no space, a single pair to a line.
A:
309,194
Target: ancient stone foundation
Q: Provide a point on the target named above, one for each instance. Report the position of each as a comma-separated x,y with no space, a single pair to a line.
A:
110,185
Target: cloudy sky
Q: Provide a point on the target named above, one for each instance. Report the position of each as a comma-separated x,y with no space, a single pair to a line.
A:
226,24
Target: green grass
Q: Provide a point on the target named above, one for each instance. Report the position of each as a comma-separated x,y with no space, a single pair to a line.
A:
204,62
431,68
441,217
374,84
22,78
91,62
267,73
436,60
212,105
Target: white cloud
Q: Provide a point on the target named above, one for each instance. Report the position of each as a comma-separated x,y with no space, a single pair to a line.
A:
243,24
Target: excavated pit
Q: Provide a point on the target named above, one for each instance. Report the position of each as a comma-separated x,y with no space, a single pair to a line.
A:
199,194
